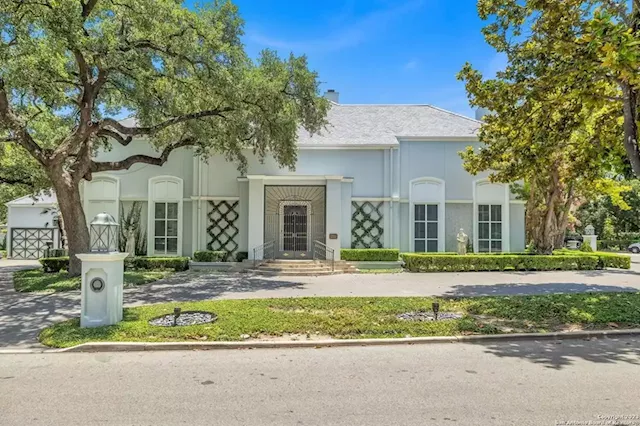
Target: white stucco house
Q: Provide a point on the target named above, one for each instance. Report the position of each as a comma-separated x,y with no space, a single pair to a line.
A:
380,176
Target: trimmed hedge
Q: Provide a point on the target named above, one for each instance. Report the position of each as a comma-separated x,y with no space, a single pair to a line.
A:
210,256
370,255
148,263
605,260
415,262
55,264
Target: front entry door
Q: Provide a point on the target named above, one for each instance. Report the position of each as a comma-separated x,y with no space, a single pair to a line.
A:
294,241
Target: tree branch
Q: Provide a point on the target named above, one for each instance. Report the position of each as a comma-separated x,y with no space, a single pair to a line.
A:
22,136
87,7
146,159
137,131
117,136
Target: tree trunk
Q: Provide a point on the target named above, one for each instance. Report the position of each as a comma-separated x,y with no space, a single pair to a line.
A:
629,108
77,232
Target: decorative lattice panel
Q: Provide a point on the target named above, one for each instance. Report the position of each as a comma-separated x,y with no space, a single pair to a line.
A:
223,230
366,225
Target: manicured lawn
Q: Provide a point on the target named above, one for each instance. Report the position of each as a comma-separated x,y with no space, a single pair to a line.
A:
358,317
37,280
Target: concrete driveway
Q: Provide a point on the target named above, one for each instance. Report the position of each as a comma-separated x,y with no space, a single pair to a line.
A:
23,315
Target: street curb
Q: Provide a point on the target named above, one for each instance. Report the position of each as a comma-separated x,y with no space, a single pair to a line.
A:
189,346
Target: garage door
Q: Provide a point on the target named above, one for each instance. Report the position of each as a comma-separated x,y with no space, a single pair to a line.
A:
30,243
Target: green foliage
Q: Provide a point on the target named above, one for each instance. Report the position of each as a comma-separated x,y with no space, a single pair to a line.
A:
211,256
625,222
38,280
70,69
3,254
428,263
158,263
131,221
605,260
359,317
55,264
586,248
615,245
370,255
556,119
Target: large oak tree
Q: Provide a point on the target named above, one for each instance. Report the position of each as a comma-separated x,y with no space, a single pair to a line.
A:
69,68
564,111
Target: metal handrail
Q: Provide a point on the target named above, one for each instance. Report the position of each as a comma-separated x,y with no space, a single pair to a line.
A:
266,249
321,249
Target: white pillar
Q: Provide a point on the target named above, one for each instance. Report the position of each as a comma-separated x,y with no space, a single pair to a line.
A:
592,240
334,215
255,228
101,288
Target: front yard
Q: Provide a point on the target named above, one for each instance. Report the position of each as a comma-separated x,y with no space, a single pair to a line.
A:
38,280
361,317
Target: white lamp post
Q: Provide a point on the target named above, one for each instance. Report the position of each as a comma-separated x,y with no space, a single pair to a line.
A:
102,274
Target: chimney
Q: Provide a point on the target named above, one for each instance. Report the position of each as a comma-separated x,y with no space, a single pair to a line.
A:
332,95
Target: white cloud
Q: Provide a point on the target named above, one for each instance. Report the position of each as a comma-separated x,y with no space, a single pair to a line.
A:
349,34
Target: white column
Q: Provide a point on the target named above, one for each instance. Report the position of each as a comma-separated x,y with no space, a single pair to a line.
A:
255,228
334,215
506,220
345,237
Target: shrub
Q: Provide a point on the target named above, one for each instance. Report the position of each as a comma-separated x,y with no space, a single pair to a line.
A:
429,263
605,260
210,256
241,256
370,255
3,254
615,245
56,253
148,263
55,264
586,248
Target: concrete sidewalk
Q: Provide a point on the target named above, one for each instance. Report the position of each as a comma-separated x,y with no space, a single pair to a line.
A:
23,315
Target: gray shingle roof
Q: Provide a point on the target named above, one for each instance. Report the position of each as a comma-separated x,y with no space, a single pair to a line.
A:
33,200
384,124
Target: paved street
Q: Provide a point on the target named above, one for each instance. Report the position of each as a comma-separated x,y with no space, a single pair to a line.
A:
23,315
518,383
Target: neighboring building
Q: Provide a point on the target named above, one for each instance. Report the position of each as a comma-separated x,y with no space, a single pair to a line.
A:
31,226
379,176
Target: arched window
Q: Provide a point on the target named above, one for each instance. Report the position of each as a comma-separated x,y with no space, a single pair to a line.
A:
165,216
426,213
491,217
101,194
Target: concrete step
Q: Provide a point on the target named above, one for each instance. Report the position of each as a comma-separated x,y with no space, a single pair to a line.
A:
295,273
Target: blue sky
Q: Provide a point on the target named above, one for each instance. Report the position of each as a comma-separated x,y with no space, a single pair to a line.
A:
377,51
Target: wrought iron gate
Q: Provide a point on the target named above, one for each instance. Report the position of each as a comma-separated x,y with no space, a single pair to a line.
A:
294,219
31,243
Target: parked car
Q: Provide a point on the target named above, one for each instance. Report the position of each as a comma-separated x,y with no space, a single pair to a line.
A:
634,248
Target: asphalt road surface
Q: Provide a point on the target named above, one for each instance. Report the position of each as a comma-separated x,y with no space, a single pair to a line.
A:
517,383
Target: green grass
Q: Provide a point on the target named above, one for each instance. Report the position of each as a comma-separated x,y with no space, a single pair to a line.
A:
37,280
358,317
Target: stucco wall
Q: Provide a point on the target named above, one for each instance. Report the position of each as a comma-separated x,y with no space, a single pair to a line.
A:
517,230
440,160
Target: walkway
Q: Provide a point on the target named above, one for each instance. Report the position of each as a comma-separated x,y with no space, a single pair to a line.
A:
23,315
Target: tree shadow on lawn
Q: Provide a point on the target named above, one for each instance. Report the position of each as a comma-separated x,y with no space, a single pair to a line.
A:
558,354
195,286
